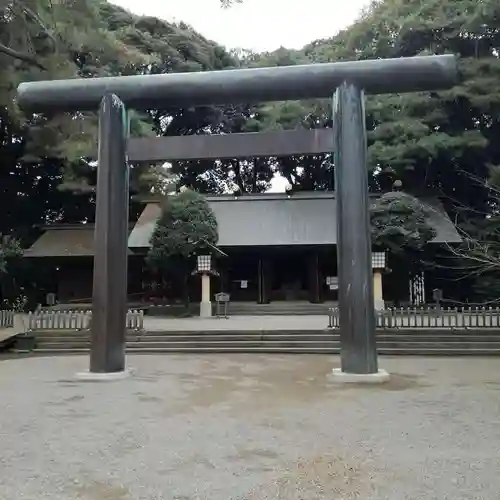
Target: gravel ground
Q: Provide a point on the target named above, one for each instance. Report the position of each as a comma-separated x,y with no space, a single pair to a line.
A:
249,427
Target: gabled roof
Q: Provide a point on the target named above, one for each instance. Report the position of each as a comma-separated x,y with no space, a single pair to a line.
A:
64,241
246,221
279,220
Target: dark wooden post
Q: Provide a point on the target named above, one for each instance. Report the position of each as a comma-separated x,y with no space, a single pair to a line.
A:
109,302
267,279
260,281
357,315
314,283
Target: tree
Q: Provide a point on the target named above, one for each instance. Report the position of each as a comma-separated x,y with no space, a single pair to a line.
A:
401,226
10,249
427,138
186,227
434,143
476,261
177,48
46,176
228,3
24,23
400,222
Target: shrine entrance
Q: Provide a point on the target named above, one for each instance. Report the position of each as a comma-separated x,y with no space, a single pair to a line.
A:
289,276
346,82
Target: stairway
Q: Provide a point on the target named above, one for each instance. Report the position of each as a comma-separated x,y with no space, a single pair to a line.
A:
282,308
322,342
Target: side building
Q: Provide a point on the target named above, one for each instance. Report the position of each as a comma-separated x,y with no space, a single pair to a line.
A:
279,247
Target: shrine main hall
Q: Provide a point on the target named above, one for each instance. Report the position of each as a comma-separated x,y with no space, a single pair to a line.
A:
273,247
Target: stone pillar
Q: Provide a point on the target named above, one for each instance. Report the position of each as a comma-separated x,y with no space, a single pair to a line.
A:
378,298
205,304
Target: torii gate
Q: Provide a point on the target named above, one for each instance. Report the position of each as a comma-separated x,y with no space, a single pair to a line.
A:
346,81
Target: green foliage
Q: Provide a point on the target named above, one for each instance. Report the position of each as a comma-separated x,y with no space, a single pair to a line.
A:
187,226
43,176
428,139
400,223
439,143
228,3
10,249
431,142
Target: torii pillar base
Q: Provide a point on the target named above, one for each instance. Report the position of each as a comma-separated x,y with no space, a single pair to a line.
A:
340,377
88,376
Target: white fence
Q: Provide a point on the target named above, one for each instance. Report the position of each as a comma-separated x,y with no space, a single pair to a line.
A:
75,320
430,318
6,319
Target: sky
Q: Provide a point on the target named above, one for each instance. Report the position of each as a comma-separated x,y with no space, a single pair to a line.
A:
257,25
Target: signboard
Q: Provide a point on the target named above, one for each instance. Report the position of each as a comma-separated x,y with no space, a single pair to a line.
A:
332,282
244,284
222,297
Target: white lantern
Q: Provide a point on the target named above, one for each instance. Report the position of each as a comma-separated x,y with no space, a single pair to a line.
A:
204,263
378,260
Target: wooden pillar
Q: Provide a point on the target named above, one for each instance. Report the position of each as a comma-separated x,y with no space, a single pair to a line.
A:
224,276
358,351
109,297
264,279
314,278
260,281
321,279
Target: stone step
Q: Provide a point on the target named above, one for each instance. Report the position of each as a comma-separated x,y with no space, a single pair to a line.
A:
429,332
201,343
296,337
278,312
327,341
299,350
283,341
276,341
249,346
309,337
247,309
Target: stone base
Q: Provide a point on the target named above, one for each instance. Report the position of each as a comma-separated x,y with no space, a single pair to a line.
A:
359,378
379,305
103,377
205,309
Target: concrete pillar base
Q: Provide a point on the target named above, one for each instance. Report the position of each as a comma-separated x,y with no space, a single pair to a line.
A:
205,309
103,377
338,376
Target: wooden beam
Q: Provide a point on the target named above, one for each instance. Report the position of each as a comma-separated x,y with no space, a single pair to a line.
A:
213,147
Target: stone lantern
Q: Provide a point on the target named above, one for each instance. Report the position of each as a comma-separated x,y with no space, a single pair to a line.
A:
378,265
